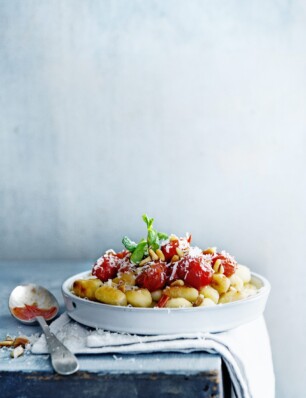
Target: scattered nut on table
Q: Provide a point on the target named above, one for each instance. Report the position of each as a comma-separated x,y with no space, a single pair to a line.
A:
18,344
17,352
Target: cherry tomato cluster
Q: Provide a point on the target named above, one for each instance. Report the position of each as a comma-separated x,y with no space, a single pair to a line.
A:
196,270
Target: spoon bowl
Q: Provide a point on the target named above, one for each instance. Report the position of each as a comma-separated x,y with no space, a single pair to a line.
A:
33,303
29,295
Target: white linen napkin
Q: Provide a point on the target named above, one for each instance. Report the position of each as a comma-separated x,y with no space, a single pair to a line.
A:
245,350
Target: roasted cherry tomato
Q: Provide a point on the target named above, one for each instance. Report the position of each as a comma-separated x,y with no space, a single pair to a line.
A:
174,271
169,249
152,277
124,264
106,267
122,254
228,263
195,271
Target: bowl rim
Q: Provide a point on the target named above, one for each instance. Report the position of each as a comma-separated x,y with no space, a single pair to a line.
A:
263,291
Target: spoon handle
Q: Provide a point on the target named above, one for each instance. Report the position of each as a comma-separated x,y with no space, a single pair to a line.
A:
63,361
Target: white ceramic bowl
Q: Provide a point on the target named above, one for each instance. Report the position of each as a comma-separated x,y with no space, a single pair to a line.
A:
151,321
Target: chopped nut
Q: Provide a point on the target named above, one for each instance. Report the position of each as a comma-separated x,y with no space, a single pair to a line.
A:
210,250
153,255
17,352
20,341
122,287
217,266
172,238
160,254
145,261
6,343
199,300
17,342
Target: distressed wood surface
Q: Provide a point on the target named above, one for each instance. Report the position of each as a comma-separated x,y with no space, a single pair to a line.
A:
128,376
116,386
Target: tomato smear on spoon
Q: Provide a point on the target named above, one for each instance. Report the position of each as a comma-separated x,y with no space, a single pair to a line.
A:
29,312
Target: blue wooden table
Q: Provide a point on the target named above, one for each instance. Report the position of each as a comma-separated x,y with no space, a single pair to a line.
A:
124,376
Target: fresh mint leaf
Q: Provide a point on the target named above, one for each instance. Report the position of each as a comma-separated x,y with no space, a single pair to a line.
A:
153,240
129,244
162,236
149,221
139,251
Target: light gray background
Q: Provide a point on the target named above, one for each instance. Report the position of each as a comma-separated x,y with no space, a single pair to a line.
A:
192,111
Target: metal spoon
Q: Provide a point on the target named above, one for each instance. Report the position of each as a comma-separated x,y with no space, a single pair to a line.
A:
63,361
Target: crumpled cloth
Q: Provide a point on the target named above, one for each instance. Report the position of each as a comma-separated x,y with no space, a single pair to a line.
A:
245,350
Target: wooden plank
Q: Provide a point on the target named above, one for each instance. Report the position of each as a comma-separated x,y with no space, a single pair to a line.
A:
84,384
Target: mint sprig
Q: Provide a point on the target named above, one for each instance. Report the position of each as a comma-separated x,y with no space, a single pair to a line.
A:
141,249
129,244
153,237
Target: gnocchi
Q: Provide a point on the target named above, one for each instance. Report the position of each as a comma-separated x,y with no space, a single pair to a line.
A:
110,295
178,302
139,297
188,293
165,272
86,288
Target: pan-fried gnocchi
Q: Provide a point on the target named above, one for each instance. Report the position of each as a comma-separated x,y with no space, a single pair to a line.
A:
188,293
110,295
139,298
165,271
123,292
86,288
178,302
